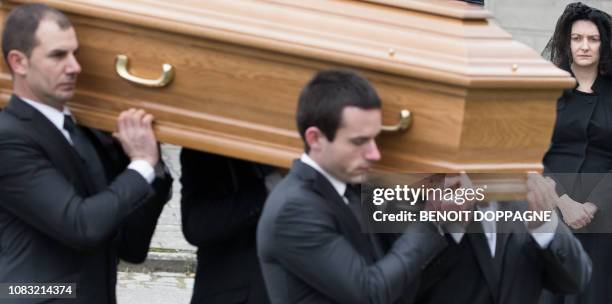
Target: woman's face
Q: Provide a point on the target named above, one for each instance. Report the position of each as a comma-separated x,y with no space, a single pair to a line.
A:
585,42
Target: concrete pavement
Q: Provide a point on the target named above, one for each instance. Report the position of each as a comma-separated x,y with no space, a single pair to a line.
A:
167,275
154,288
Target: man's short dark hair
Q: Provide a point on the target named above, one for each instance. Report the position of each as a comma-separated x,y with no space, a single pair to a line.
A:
325,96
21,25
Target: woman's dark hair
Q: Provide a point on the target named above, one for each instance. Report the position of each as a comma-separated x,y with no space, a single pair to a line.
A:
558,49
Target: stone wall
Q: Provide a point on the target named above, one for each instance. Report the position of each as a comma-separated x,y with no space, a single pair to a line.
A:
533,21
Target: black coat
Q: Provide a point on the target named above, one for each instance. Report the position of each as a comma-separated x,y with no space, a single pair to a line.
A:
580,159
55,226
221,202
580,153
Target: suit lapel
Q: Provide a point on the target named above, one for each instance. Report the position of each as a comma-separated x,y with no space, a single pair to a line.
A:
63,156
513,257
483,256
352,229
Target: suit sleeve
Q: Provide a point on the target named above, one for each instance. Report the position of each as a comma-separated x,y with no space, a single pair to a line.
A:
567,267
137,232
37,193
306,242
220,197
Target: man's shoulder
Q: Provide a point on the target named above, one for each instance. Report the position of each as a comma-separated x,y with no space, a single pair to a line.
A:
291,189
12,127
293,205
292,193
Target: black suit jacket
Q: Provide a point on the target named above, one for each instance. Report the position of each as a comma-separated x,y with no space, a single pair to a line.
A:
221,202
466,272
312,250
55,226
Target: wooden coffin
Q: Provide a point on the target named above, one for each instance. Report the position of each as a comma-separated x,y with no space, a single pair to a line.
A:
478,100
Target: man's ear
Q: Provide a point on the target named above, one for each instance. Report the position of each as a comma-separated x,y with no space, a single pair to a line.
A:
18,62
314,137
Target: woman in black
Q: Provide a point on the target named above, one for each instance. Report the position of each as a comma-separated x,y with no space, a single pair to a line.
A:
580,155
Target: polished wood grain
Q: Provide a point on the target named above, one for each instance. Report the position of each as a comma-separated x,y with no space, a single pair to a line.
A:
480,101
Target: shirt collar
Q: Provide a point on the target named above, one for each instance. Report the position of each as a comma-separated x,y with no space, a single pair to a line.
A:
56,117
338,185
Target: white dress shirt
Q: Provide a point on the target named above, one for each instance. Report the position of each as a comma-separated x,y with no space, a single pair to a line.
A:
57,119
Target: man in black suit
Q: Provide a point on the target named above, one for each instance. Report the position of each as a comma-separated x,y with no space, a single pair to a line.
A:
312,250
221,201
309,239
507,262
69,207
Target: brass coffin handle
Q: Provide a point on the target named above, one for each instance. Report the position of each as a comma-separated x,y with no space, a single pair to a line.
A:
121,66
405,120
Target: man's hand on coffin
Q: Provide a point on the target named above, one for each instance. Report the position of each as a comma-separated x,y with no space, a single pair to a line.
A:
135,133
454,182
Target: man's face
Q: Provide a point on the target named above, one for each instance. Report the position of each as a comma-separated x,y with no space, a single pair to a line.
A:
585,43
353,151
52,68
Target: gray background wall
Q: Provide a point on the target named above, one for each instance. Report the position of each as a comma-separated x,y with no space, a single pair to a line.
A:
533,21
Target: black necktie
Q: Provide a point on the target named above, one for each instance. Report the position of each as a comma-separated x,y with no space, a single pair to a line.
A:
498,260
353,195
87,152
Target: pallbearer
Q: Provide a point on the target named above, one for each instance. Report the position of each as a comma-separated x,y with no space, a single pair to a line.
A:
72,201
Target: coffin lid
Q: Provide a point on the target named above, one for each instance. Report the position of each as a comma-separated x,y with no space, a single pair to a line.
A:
443,41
